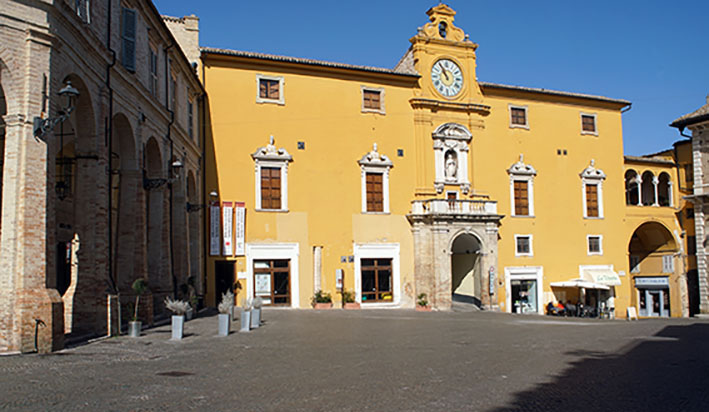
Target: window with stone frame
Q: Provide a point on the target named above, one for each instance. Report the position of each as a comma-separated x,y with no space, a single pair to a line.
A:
594,244
588,123
592,192
271,177
372,99
591,200
521,188
269,89
518,116
374,169
523,245
375,195
128,36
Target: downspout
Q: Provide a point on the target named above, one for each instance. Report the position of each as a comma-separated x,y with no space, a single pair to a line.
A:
108,124
169,138
205,216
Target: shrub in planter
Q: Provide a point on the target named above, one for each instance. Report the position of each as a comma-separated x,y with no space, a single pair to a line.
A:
348,300
178,308
225,308
321,300
139,287
256,312
422,303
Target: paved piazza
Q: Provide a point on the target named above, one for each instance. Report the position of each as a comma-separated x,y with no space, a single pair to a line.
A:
376,360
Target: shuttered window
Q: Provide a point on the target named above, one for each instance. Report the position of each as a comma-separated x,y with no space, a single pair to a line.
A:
588,123
128,30
375,193
591,200
270,187
372,99
518,116
521,198
269,89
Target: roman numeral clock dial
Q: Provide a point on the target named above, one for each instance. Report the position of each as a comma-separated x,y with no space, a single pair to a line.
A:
447,77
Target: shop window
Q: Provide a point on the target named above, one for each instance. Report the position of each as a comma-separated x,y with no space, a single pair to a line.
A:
272,281
523,245
518,116
522,188
376,276
269,89
588,124
595,246
374,169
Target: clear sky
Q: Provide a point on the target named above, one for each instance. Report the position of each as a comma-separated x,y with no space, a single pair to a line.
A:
652,53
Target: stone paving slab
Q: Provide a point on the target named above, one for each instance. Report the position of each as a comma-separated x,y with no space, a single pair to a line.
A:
374,360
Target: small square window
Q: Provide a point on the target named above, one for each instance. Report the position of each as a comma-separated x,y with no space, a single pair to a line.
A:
518,116
588,123
269,89
301,145
523,245
372,100
594,245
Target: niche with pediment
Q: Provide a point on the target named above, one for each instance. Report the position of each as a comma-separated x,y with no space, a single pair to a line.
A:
451,144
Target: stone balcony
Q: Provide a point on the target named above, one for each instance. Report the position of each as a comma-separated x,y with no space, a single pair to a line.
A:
461,209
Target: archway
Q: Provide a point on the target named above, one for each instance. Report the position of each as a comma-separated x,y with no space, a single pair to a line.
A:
648,189
664,193
632,189
466,279
125,178
652,250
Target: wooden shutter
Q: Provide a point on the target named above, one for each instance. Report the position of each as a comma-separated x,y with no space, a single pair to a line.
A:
375,193
128,38
588,123
591,200
521,198
270,188
273,90
519,116
372,99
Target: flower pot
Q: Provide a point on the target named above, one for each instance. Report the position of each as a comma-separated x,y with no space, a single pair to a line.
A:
189,314
224,324
134,328
178,326
323,305
255,318
245,321
351,305
423,308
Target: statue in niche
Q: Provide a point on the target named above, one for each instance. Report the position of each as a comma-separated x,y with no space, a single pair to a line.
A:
451,166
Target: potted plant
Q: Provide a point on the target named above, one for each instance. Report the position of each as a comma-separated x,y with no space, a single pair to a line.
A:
139,287
422,303
178,308
245,315
322,300
348,300
256,312
225,309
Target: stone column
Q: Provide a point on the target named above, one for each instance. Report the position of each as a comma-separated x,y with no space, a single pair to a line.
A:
655,182
441,293
640,191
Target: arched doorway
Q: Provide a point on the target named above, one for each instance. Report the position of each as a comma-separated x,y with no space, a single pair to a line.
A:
466,279
652,251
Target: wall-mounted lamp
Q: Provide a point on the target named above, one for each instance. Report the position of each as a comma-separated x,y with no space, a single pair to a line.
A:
42,126
194,208
175,167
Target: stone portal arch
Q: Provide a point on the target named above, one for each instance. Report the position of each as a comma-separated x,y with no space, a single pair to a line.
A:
466,278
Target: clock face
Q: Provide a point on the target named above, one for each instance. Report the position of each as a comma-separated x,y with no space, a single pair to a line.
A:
447,77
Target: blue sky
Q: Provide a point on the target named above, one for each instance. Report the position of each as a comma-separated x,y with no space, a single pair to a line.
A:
652,53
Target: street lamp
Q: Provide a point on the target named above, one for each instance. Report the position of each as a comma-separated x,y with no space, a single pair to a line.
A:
42,126
194,208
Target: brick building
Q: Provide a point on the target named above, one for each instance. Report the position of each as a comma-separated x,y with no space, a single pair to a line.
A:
110,193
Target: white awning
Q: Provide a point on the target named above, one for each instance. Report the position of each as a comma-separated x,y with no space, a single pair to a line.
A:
578,283
602,276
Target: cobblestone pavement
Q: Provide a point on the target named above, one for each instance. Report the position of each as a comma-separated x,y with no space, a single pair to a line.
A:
377,360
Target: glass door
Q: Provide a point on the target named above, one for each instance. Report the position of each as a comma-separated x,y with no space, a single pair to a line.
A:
272,281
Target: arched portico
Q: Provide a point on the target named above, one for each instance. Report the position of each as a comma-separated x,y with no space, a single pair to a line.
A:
466,278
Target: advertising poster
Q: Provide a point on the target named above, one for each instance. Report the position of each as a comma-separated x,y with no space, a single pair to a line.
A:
214,227
240,241
228,226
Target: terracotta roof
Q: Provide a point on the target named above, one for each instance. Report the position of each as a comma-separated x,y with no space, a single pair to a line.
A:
643,159
298,60
555,93
697,116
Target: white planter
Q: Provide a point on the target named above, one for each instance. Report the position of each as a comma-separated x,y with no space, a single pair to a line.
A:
255,318
245,321
134,328
224,324
189,314
178,326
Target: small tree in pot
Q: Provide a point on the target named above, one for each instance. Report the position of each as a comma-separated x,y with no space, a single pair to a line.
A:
225,309
139,287
178,308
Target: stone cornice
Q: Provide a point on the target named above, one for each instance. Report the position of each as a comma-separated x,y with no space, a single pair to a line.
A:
423,103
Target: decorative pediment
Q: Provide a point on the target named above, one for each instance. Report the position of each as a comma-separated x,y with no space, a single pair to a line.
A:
375,159
441,25
592,173
270,152
520,168
452,131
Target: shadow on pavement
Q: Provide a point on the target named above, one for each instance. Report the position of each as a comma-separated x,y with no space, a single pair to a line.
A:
667,371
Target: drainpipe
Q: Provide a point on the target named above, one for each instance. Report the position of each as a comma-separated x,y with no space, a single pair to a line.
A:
205,235
108,124
168,136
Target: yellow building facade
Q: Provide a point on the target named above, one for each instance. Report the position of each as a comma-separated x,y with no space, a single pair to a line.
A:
420,179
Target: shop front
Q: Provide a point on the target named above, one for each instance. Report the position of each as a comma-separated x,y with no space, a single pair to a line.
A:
653,296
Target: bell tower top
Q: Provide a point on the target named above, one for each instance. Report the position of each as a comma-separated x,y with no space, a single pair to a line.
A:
441,26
